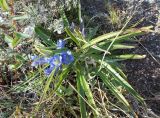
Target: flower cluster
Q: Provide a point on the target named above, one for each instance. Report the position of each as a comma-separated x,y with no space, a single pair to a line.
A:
56,61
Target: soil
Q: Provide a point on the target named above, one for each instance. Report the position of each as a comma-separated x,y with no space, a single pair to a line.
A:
143,75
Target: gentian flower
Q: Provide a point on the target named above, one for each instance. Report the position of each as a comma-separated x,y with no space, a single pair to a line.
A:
48,70
39,61
67,57
56,61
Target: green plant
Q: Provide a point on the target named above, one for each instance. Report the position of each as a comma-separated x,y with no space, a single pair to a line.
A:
114,16
95,59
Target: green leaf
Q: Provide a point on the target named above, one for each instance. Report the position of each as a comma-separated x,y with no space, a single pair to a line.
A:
119,70
111,36
20,17
121,46
122,38
42,49
60,78
99,39
9,41
44,35
88,92
21,35
79,12
113,89
15,66
68,91
46,87
92,33
122,81
65,20
15,42
81,101
4,5
19,58
128,56
68,31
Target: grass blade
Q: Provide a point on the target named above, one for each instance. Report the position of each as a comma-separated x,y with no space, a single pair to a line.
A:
120,79
68,31
111,36
43,34
88,92
62,76
122,82
99,39
121,46
4,5
128,56
81,101
113,89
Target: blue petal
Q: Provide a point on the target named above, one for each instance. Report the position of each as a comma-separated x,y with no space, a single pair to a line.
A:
56,60
55,63
60,44
67,57
40,61
49,70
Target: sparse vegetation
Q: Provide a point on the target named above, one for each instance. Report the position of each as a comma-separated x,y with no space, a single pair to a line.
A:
56,59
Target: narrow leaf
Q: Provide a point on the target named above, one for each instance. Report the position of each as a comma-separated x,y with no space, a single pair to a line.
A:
62,76
128,56
121,46
81,101
44,35
9,40
112,35
21,35
120,79
88,92
20,17
4,5
113,89
122,82
72,36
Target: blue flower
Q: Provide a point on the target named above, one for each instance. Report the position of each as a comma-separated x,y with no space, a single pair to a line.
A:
67,57
48,70
39,61
60,44
56,61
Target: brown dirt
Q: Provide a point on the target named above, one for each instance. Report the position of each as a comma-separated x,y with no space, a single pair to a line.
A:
143,75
